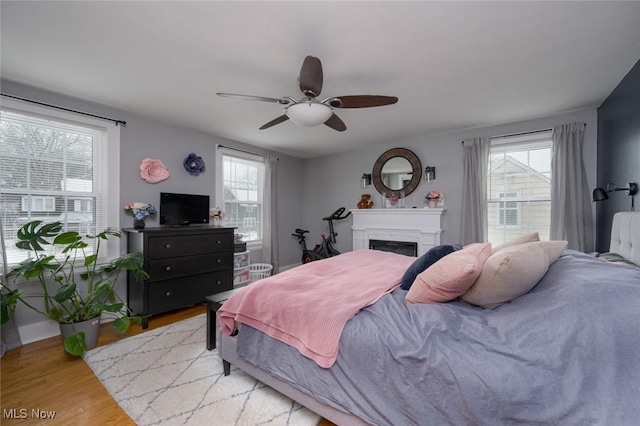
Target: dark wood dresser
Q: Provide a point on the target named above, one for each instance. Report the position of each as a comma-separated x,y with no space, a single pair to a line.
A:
184,265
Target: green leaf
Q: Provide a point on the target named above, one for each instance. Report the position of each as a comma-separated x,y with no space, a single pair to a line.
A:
75,344
112,307
65,292
90,259
32,236
122,324
101,286
8,302
65,238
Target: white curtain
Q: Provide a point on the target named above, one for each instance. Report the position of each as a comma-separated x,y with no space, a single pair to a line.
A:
474,190
270,225
571,218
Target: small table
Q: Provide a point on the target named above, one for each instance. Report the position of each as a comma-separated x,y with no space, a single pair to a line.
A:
214,302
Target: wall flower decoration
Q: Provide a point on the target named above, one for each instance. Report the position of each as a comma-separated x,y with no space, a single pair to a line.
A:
153,170
194,164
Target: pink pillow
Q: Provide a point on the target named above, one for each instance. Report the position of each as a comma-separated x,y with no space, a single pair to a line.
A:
450,276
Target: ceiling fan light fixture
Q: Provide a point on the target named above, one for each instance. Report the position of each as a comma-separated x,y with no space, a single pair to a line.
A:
309,114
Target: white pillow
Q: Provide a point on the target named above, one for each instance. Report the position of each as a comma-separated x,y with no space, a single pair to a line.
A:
534,236
512,272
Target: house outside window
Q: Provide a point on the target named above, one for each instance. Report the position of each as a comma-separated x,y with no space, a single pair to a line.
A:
242,191
508,210
519,186
55,167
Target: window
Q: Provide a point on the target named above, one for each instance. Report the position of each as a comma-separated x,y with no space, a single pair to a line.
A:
508,212
55,168
519,186
242,190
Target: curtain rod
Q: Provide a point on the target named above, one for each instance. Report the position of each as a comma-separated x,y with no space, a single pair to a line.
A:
118,122
242,150
521,133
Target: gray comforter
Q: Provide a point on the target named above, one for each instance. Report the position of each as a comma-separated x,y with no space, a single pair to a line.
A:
566,353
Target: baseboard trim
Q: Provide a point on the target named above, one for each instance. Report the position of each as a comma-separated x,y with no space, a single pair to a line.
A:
36,331
30,333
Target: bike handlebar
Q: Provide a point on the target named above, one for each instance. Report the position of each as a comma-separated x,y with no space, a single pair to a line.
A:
337,215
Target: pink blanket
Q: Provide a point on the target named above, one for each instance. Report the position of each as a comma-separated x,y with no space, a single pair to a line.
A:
307,307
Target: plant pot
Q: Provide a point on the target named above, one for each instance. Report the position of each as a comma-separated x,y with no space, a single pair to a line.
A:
216,221
433,204
91,329
138,224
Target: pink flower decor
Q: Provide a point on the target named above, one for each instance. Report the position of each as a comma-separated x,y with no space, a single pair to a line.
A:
434,195
153,170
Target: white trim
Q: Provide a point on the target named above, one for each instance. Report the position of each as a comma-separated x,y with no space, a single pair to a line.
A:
33,332
112,148
46,329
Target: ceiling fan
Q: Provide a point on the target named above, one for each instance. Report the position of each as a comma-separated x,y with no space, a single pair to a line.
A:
309,111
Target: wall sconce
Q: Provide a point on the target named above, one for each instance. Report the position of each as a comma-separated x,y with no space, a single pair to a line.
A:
366,180
600,194
429,173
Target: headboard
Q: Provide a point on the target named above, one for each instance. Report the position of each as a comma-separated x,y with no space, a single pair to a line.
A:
625,235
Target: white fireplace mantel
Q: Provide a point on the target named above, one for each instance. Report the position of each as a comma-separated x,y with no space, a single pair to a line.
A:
425,227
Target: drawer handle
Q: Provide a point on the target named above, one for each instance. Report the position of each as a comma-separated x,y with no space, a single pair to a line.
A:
168,294
168,268
168,246
218,242
218,282
219,260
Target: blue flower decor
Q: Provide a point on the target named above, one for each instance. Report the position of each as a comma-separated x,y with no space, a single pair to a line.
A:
194,164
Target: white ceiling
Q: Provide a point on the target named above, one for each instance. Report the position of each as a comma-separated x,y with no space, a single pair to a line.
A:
453,65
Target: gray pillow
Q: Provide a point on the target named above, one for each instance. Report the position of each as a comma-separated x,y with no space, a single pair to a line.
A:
426,260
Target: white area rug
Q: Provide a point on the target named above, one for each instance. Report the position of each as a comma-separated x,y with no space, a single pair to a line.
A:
167,376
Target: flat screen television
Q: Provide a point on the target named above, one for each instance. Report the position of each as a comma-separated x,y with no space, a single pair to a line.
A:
183,209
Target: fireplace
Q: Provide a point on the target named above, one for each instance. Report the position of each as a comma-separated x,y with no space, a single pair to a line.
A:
400,247
422,228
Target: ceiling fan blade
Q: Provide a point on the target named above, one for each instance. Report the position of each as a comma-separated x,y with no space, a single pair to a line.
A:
362,101
275,121
310,80
336,123
281,101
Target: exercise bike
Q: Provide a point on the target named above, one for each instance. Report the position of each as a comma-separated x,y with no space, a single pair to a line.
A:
324,249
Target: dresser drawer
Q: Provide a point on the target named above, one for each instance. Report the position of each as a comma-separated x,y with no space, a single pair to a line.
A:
165,269
177,293
186,245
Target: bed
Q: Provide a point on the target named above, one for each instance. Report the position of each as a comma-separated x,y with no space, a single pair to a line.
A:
566,351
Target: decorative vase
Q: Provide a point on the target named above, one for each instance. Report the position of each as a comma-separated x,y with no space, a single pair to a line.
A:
216,221
138,223
91,329
433,204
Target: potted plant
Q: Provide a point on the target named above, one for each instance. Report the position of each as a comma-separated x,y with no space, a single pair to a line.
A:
62,299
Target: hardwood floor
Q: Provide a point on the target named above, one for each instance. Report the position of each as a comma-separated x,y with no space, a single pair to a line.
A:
41,376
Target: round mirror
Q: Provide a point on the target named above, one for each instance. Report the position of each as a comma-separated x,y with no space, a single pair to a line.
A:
397,170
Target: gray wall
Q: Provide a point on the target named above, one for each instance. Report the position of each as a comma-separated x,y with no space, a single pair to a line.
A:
333,181
308,190
618,151
142,138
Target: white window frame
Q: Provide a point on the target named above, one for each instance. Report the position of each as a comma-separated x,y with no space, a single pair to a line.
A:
507,197
230,152
110,165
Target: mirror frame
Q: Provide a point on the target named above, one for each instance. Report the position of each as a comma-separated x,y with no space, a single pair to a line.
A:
415,177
